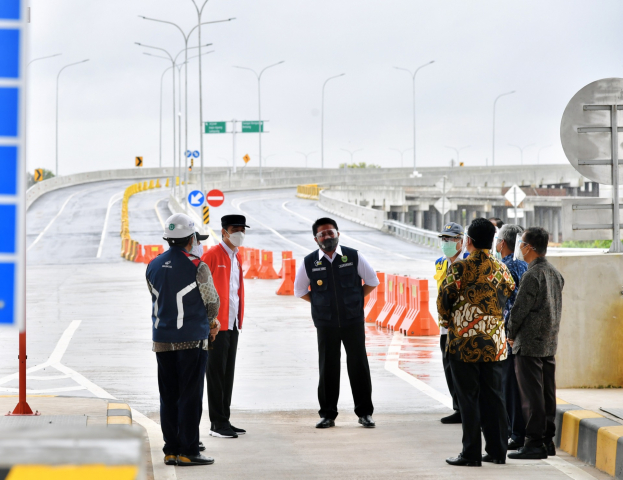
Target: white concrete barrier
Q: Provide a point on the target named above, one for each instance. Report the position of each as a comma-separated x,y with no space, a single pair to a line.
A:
356,213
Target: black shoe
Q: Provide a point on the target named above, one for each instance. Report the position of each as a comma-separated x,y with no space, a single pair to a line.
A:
170,459
463,462
489,459
225,432
514,445
325,423
367,421
551,449
239,431
202,447
529,453
191,460
454,418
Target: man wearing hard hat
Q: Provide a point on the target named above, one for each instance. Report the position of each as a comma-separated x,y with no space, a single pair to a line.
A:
185,305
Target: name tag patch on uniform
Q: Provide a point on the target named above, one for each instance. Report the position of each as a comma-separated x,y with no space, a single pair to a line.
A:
345,265
318,269
319,282
318,262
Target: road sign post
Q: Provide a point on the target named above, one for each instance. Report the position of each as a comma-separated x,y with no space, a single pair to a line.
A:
13,50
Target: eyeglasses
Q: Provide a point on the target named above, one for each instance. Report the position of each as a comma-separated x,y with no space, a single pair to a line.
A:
330,233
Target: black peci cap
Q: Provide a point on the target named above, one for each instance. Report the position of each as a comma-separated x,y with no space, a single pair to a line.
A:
234,221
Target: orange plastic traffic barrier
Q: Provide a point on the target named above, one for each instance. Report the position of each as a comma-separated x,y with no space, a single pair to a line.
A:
158,183
132,252
254,264
246,260
241,251
267,271
289,272
284,255
151,252
419,321
376,300
390,301
139,257
402,306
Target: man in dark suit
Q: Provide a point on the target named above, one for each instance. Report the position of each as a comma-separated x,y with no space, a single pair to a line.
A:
533,329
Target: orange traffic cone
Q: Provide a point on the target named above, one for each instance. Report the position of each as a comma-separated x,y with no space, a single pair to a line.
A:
284,255
254,267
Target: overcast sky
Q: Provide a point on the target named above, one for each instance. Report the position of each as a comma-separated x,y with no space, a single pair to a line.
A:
546,50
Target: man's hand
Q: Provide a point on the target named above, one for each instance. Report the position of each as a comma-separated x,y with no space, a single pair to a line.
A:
307,297
511,342
215,329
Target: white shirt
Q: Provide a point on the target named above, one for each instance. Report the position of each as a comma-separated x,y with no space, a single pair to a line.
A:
234,286
364,270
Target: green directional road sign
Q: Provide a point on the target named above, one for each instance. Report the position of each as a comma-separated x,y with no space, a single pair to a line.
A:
215,127
252,126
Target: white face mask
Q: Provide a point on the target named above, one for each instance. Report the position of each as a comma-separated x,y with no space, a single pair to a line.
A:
196,250
236,239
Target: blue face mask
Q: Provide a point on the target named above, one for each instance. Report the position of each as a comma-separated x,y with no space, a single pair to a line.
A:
449,249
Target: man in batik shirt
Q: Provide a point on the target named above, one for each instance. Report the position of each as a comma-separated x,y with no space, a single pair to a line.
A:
470,303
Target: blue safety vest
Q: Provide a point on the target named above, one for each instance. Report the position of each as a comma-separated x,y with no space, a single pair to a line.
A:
178,312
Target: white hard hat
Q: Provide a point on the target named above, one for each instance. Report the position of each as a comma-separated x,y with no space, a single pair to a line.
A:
178,225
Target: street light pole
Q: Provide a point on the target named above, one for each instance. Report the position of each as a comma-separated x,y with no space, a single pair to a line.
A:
322,119
186,38
401,152
458,152
521,149
538,156
259,105
57,82
493,136
352,153
26,107
413,79
306,155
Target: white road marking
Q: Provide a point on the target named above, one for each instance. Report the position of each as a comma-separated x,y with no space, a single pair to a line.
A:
52,221
236,204
45,390
391,365
114,199
63,342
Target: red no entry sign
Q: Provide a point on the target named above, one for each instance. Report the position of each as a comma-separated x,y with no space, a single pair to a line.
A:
215,198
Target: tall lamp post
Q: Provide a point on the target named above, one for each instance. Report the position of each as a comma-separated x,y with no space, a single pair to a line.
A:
521,149
186,38
57,82
538,155
322,119
306,155
26,106
352,153
458,152
259,104
413,79
401,152
493,135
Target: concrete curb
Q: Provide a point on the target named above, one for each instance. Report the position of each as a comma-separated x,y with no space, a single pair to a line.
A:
591,437
119,414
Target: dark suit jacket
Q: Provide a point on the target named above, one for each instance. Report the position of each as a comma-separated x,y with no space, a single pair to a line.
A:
535,317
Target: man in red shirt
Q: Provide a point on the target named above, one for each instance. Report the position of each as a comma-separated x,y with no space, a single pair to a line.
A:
226,267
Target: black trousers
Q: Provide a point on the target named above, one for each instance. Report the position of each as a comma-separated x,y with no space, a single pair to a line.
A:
479,391
516,423
446,370
220,376
180,380
330,341
536,377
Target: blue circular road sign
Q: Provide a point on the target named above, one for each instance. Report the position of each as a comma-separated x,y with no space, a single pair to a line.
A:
196,154
196,198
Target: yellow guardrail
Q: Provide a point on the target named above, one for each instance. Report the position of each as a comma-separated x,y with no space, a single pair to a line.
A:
129,246
310,191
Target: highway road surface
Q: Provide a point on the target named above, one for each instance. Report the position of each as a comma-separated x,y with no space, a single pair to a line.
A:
89,334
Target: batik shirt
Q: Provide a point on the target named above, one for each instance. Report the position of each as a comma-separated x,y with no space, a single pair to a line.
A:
470,303
517,269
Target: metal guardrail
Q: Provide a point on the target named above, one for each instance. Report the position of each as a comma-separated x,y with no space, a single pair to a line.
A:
413,234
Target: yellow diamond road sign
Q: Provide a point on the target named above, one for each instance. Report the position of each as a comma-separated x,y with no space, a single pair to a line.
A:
246,158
